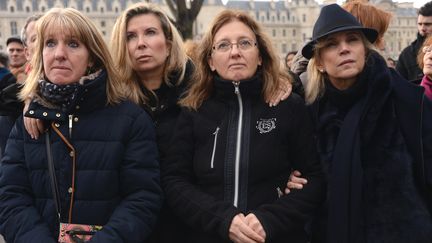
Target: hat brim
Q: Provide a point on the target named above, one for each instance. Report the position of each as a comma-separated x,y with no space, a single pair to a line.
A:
369,33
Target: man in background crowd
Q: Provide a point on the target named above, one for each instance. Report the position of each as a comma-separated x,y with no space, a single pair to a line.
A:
407,65
17,58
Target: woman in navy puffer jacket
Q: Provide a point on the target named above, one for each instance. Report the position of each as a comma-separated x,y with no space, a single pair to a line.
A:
103,148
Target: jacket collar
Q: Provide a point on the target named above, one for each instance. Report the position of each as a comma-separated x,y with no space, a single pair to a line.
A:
91,96
251,87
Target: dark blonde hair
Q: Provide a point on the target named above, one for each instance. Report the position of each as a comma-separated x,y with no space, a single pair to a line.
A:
369,16
420,54
315,86
202,83
72,23
176,61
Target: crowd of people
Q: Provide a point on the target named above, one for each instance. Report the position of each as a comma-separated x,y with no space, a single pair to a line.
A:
152,139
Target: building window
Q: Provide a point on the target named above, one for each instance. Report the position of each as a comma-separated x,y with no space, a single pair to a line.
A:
304,17
293,46
12,9
284,48
304,37
27,9
294,32
87,9
274,33
104,33
102,23
116,9
14,29
283,32
102,10
43,9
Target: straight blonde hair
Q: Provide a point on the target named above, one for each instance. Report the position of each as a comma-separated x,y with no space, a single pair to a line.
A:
202,83
72,23
176,61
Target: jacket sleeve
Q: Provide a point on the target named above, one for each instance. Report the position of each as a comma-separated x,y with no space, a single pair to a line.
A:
427,146
20,221
135,216
291,211
197,208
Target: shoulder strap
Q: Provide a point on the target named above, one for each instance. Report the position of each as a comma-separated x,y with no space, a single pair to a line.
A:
52,174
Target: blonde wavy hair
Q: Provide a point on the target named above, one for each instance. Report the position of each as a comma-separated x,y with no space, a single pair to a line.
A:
202,83
176,61
315,86
72,23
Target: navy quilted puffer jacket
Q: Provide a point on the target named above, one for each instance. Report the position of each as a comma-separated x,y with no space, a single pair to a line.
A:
116,183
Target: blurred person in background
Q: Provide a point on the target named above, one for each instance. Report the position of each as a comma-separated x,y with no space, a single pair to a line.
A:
424,60
28,37
407,64
289,59
17,58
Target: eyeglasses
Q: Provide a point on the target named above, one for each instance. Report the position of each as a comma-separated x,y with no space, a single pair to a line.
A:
427,49
243,44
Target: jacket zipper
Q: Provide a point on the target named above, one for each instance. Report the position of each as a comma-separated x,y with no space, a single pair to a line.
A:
214,147
70,125
238,144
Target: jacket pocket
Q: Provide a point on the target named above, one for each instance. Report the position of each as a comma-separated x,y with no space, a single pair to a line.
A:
215,134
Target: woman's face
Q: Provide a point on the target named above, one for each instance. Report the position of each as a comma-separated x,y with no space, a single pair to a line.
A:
146,43
65,58
342,57
235,55
427,61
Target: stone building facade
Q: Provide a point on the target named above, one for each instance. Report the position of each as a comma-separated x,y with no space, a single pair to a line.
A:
289,23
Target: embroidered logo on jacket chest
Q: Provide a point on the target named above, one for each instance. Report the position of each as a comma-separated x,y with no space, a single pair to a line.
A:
266,125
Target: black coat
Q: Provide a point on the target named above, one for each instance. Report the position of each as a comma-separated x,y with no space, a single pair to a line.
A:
407,64
164,110
116,179
199,175
10,107
386,186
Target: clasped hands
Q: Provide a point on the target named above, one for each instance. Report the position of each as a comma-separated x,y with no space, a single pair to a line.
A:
246,229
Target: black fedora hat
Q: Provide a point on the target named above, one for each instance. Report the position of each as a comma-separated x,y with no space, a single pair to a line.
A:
333,19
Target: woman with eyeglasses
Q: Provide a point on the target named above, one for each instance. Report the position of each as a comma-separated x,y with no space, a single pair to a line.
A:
424,59
232,151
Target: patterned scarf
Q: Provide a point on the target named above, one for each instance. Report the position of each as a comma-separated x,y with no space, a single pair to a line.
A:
62,96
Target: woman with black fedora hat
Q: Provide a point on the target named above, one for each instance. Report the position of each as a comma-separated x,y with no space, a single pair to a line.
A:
374,136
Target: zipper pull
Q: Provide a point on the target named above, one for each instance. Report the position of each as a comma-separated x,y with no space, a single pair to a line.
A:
70,125
216,131
279,192
236,87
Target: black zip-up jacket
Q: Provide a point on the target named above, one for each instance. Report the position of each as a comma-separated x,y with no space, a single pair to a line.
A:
234,155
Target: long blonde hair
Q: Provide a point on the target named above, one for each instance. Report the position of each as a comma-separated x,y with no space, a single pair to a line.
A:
176,61
72,22
202,83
